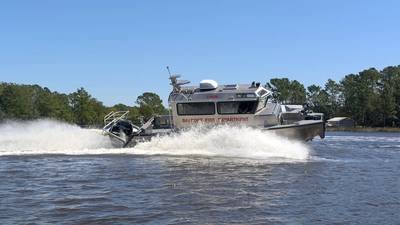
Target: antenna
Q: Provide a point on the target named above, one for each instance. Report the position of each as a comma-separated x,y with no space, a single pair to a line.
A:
176,84
169,72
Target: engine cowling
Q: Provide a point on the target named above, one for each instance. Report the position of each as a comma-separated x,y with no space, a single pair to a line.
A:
122,126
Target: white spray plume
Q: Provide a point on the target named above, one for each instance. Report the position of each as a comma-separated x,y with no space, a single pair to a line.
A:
242,142
53,137
47,137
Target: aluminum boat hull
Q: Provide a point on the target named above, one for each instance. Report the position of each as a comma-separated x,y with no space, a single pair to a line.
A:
304,130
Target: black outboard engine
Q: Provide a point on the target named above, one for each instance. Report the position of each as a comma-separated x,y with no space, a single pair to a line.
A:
122,127
121,132
119,128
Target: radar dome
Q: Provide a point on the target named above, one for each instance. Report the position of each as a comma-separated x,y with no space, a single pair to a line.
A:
208,85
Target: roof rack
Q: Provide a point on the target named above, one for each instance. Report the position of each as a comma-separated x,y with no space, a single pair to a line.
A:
231,87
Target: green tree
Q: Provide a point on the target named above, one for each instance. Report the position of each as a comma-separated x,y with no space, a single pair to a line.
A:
150,104
289,92
297,93
45,103
335,98
396,81
317,99
18,102
87,110
361,96
283,88
63,110
389,93
2,112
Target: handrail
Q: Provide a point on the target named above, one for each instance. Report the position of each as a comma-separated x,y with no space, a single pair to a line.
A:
113,117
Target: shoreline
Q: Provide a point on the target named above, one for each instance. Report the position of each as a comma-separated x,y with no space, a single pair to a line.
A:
364,129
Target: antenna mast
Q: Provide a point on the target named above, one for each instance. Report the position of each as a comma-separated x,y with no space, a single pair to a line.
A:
176,84
169,72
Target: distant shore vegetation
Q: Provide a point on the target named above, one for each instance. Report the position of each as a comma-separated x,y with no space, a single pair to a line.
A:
370,97
29,102
364,129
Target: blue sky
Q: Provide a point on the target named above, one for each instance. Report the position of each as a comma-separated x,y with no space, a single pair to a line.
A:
119,49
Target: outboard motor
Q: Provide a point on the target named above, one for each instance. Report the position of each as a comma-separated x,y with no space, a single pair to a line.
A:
122,127
120,130
123,132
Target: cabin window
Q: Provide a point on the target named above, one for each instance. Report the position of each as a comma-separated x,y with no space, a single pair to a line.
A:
196,108
241,107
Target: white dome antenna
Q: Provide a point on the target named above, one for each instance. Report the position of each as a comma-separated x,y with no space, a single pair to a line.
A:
208,85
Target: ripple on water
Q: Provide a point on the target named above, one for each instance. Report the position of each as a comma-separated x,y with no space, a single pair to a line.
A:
339,183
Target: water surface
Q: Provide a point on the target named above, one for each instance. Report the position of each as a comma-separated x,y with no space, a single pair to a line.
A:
348,178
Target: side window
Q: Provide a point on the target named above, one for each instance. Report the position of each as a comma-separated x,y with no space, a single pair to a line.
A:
242,107
196,108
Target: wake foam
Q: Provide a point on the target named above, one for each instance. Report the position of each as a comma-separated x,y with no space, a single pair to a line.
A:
226,141
48,137
53,137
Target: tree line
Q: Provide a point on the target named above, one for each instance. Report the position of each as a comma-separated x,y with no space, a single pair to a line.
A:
370,97
29,102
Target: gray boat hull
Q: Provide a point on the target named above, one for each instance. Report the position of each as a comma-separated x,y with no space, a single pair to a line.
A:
304,130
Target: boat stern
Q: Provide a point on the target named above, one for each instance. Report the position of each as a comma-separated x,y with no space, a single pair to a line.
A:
302,130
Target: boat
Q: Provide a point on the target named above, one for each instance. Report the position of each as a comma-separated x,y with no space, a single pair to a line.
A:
210,104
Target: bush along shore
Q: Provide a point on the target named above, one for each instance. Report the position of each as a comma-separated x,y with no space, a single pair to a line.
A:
370,97
30,102
364,129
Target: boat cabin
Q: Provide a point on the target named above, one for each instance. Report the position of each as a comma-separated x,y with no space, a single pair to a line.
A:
213,104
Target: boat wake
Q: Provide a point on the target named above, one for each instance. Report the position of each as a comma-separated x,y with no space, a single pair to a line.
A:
226,141
53,137
48,137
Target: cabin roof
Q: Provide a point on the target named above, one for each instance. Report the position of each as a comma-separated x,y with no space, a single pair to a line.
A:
227,92
229,88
